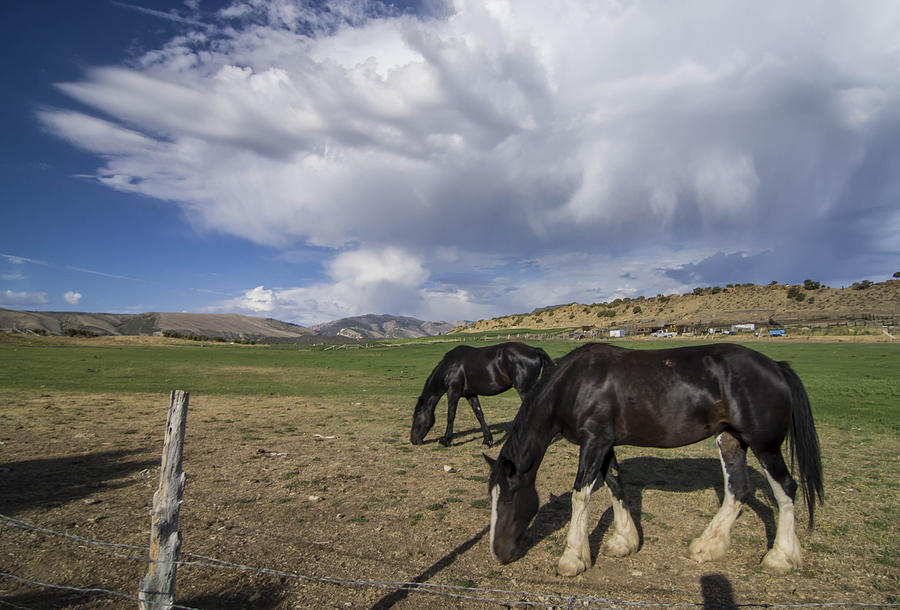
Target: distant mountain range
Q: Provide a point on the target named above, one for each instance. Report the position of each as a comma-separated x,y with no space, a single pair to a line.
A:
229,327
383,327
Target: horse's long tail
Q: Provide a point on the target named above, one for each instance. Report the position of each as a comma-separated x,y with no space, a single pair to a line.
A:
804,442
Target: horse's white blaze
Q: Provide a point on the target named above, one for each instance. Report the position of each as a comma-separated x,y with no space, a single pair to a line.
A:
495,498
786,553
713,543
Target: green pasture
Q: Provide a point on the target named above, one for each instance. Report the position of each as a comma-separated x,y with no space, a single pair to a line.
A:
851,385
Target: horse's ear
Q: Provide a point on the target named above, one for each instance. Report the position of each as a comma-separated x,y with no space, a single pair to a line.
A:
509,468
488,459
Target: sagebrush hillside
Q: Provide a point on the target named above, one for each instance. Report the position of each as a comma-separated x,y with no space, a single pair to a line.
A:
718,306
231,327
382,327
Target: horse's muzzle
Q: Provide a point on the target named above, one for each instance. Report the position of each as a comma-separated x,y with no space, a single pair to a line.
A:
505,551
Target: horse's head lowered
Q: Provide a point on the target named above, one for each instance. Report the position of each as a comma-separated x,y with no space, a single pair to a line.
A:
514,503
423,420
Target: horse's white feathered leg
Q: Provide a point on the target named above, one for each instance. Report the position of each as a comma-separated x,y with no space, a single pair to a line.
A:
713,543
785,555
577,556
623,539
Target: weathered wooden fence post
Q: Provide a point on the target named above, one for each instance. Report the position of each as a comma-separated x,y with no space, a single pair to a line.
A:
158,585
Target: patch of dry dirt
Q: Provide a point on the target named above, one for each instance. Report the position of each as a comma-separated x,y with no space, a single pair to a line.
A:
336,490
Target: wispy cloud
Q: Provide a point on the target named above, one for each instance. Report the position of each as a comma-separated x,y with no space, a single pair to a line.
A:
168,16
104,274
21,260
9,298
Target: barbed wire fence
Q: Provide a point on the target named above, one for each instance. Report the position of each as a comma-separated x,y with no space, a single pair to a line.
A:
500,597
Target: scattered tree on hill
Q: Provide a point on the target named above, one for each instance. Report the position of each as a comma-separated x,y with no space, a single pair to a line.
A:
811,285
896,274
861,285
79,332
795,293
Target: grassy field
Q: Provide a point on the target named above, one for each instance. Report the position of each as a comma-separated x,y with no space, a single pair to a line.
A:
273,427
850,384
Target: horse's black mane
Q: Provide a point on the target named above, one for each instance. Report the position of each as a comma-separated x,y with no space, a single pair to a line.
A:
519,446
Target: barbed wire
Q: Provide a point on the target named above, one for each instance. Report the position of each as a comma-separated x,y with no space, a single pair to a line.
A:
46,585
464,593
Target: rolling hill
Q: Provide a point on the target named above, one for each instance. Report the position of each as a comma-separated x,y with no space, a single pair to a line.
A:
714,306
229,327
717,307
383,327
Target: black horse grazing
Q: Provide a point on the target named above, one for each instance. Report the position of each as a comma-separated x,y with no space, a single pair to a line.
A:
600,396
468,372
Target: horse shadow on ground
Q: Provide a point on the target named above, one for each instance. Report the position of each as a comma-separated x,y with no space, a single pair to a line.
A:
255,598
473,435
679,475
49,481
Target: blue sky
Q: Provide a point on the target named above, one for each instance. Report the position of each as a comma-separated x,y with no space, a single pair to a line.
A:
446,160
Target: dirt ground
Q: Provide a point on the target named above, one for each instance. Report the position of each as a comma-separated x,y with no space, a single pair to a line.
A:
320,495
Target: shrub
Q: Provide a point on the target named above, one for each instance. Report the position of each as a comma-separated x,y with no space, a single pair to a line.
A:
861,285
637,309
79,332
811,285
794,292
698,291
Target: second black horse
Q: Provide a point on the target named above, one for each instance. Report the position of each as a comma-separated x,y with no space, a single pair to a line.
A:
467,372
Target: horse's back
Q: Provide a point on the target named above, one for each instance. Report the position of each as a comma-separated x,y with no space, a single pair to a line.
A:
669,397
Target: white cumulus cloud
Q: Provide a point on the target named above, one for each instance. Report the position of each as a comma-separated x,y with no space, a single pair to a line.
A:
72,298
516,130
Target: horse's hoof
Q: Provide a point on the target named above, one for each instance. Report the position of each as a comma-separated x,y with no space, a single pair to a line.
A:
570,564
444,441
488,442
620,545
779,562
703,549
